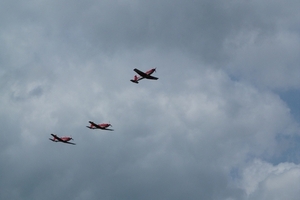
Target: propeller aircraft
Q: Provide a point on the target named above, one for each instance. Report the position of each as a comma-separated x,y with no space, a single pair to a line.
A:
103,126
61,139
146,75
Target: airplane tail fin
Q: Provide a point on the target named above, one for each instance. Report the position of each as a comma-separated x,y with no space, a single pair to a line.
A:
135,79
91,125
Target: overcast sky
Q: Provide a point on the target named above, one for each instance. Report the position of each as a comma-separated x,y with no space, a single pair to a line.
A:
220,123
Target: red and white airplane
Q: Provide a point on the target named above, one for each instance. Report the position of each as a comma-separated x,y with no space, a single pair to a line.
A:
61,139
103,126
146,75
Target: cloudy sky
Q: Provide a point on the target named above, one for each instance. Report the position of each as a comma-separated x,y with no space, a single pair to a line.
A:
221,123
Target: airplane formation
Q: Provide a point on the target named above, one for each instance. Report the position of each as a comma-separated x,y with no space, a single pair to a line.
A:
105,126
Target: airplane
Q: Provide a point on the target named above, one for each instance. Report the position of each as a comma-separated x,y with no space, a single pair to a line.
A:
146,75
61,139
103,126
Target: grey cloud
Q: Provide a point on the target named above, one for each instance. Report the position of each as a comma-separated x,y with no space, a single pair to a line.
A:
178,137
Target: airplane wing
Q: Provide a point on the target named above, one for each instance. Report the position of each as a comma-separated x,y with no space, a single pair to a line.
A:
69,142
144,75
108,129
58,138
140,72
151,77
95,125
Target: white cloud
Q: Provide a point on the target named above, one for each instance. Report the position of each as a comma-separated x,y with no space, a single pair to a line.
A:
263,180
